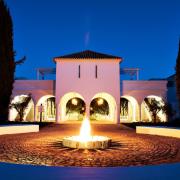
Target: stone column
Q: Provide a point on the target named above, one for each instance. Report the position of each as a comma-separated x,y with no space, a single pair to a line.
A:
35,113
118,113
140,113
57,114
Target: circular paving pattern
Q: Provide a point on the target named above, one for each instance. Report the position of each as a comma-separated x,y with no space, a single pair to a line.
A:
127,149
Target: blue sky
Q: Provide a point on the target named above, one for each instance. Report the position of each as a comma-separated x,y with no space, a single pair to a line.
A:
144,32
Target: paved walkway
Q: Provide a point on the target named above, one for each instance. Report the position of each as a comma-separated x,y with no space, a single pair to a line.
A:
128,148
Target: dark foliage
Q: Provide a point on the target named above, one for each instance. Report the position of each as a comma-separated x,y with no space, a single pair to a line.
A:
7,63
7,60
178,74
168,110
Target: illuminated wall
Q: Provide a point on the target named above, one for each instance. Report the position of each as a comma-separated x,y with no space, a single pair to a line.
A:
88,82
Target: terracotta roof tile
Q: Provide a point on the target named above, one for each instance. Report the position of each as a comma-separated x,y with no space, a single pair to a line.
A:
88,55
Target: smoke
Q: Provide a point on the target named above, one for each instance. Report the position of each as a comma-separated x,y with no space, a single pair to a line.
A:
87,39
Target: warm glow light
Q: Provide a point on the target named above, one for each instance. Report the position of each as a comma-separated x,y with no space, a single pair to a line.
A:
74,101
85,140
100,101
85,131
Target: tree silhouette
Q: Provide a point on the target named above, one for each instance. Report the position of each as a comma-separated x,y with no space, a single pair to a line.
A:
7,62
178,75
168,110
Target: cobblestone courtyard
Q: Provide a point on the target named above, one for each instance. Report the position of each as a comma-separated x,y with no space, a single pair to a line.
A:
128,148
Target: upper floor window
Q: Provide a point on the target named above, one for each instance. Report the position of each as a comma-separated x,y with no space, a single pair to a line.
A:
96,71
79,71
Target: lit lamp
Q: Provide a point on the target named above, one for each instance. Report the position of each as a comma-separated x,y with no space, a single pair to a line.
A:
100,101
74,101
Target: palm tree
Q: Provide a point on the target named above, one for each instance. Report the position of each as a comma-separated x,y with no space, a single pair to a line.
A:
21,106
154,107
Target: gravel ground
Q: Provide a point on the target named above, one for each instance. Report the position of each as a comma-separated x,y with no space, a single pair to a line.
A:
127,149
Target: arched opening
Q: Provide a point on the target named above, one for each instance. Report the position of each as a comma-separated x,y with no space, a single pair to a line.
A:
46,109
152,109
99,109
103,108
72,107
20,110
75,109
129,109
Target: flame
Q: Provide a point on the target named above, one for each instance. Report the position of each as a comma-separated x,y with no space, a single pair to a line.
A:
85,131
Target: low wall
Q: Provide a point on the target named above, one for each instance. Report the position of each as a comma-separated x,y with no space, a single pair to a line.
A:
161,131
16,129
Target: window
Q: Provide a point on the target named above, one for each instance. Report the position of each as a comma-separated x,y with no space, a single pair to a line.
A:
96,68
79,71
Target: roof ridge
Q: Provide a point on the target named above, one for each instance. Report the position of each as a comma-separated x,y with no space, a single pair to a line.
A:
88,54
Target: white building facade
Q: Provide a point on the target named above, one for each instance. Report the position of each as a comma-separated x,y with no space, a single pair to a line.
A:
89,84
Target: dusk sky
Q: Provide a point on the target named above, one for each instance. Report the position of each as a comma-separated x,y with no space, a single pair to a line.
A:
144,32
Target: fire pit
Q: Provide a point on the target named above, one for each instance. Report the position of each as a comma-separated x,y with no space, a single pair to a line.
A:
85,140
